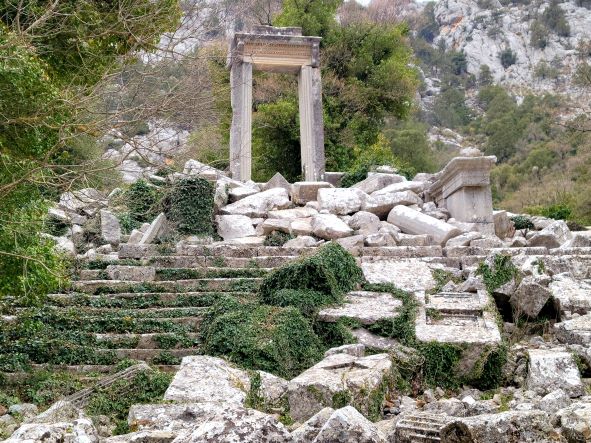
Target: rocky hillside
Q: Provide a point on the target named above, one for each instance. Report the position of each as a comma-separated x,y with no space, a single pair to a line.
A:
537,37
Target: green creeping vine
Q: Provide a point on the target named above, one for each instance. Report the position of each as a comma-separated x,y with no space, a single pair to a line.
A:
502,272
403,326
277,238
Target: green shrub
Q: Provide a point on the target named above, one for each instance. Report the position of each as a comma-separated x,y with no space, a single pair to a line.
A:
277,238
143,201
269,338
508,58
189,205
522,222
55,226
307,301
116,399
556,212
331,271
502,271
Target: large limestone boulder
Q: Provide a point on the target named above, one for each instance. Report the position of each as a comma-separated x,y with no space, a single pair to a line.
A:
110,228
377,181
415,186
365,223
575,421
530,297
574,331
330,227
258,205
304,192
240,192
341,201
553,369
552,236
336,379
292,214
504,227
347,425
382,204
208,379
277,181
234,226
79,430
570,295
411,221
302,241
238,425
311,427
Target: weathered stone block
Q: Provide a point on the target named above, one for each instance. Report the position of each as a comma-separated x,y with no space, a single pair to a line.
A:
258,205
364,306
131,273
341,201
330,227
553,369
234,226
304,192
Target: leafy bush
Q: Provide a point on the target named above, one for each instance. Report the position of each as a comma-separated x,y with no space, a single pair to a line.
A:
451,110
189,205
307,301
539,34
143,201
55,226
378,154
331,271
522,222
508,57
273,339
556,212
277,238
116,399
555,19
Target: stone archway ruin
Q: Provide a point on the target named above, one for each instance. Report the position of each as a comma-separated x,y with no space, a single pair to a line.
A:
282,50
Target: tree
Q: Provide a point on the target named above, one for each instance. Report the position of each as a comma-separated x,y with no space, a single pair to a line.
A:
485,77
315,17
52,57
508,58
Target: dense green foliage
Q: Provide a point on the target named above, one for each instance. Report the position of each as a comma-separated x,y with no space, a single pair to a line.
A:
143,201
276,340
189,205
51,58
115,400
277,238
331,271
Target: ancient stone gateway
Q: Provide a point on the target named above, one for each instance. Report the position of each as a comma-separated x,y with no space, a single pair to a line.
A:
282,50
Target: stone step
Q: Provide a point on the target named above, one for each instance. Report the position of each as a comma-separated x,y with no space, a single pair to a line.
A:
143,251
421,427
185,261
102,324
135,313
150,355
184,273
145,299
161,341
194,285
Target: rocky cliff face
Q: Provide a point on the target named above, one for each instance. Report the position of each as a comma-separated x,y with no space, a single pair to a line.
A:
483,30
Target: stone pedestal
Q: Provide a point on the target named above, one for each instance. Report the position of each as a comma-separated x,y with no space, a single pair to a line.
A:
463,188
282,50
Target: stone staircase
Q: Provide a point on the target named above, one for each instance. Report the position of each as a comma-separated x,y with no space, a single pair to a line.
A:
147,303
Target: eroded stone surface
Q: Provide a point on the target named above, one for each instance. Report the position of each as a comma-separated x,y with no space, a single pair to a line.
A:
415,222
553,369
364,306
339,375
208,379
258,205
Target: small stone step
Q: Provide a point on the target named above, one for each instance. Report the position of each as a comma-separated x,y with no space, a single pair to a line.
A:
150,341
421,427
158,355
184,273
139,300
363,306
175,261
194,285
100,324
137,313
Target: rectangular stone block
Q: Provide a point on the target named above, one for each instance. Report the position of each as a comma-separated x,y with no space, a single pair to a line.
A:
304,192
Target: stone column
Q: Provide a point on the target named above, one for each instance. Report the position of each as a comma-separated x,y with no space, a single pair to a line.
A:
241,131
311,124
